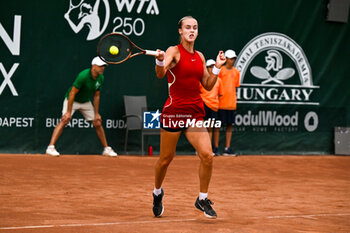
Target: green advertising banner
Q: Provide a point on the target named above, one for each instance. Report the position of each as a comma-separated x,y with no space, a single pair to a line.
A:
294,67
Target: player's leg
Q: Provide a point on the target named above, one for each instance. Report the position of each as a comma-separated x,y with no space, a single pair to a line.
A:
87,110
230,116
210,131
228,135
199,139
168,141
58,130
220,117
100,133
107,150
216,133
51,150
212,116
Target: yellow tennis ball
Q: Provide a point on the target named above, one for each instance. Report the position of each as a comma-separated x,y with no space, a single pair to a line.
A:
113,50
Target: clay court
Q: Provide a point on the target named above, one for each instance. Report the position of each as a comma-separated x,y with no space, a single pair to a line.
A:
75,193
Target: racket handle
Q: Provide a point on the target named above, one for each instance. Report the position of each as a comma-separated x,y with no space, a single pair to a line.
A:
151,53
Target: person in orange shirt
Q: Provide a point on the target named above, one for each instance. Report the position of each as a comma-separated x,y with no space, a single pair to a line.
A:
211,98
229,76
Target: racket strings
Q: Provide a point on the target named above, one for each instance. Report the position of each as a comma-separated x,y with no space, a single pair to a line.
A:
124,48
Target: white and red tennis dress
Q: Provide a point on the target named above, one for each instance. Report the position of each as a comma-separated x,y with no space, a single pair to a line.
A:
184,101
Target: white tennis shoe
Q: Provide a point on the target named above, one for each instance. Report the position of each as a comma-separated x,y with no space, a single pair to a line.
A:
52,151
108,151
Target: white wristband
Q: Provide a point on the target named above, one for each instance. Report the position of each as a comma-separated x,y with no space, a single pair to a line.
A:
215,70
159,63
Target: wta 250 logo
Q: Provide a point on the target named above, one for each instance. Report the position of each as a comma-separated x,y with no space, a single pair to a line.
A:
95,15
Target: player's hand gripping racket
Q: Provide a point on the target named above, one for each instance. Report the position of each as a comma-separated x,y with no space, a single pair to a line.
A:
115,48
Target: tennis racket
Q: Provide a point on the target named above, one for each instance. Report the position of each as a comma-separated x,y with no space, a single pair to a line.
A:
115,48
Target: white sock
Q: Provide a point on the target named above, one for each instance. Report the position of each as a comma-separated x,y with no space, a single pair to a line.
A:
203,196
157,191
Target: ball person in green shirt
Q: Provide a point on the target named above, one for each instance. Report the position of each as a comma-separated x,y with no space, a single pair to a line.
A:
87,84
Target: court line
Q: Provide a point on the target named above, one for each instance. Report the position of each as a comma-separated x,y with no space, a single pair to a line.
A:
96,224
310,216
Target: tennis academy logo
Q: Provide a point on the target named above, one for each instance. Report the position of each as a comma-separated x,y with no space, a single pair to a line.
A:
274,70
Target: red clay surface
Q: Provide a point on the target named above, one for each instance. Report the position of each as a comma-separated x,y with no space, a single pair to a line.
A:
76,193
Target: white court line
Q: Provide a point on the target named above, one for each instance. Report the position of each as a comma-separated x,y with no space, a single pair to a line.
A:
311,216
96,224
26,227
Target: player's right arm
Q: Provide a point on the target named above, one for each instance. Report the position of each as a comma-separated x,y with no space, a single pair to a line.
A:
170,59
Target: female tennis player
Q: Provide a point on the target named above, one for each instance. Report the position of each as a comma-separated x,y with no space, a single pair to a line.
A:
185,69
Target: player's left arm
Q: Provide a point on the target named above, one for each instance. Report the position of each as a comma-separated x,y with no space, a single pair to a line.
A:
209,80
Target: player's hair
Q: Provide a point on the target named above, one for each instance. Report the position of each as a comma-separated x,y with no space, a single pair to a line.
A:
182,19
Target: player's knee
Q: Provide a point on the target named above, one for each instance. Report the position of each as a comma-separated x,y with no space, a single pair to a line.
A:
165,161
64,122
207,158
97,124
